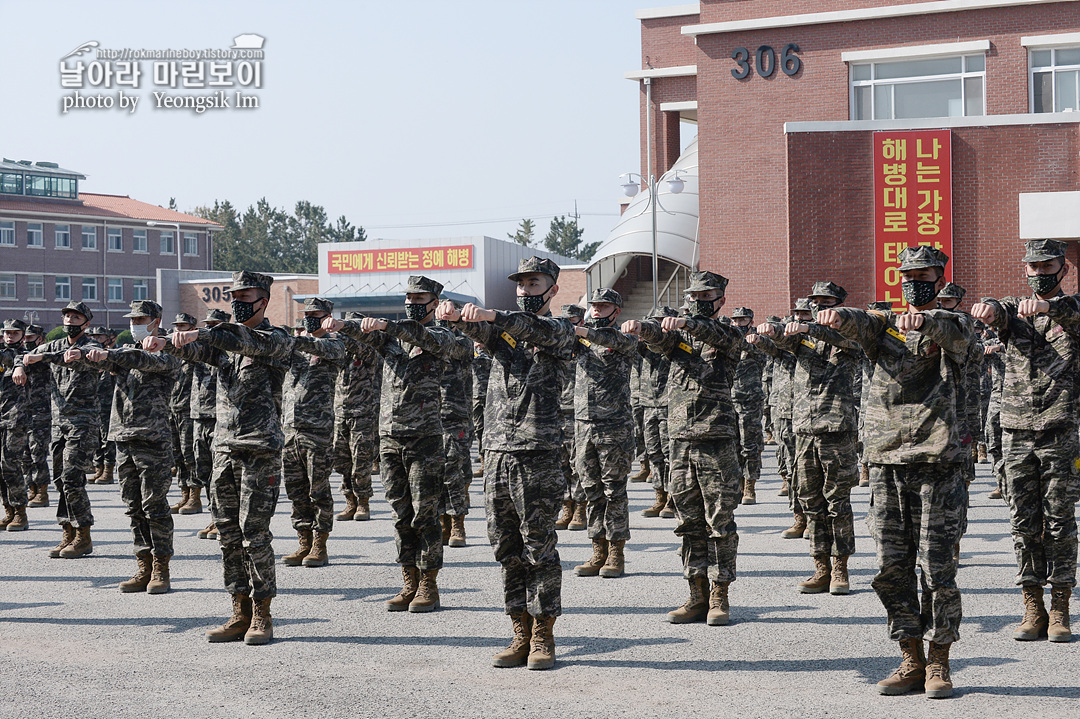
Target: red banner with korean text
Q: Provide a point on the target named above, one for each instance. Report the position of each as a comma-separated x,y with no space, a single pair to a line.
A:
458,257
912,202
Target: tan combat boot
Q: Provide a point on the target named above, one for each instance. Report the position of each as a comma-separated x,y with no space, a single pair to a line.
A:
297,558
9,515
159,576
316,557
592,565
261,630
910,674
995,493
938,684
80,546
235,626
719,611
184,492
350,508
615,564
518,652
642,474
864,475
578,521
31,494
819,581
20,522
68,538
444,521
41,499
668,512
567,514
1035,622
141,578
205,533
838,582
769,438
99,469
363,510
797,530
479,472
981,456
749,496
658,505
785,487
426,598
193,505
1059,630
410,581
696,607
542,646
107,475
457,531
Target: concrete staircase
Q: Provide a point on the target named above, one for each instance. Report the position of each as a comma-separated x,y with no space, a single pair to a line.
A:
638,302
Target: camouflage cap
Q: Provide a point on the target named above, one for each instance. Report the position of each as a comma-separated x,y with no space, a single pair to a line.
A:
773,318
657,313
144,308
704,281
530,265
828,289
298,324
318,304
35,330
572,312
14,325
247,280
606,294
802,305
183,318
952,291
98,330
725,320
742,312
1042,250
880,306
216,315
419,283
354,315
922,256
79,307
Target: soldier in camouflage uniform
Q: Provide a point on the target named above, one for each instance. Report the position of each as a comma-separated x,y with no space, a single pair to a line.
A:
13,433
706,480
825,437
455,410
916,465
204,379
481,369
603,430
574,500
640,452
248,442
864,395
971,434
1040,448
993,356
183,429
748,396
782,401
105,453
139,427
531,354
356,407
39,423
655,368
415,355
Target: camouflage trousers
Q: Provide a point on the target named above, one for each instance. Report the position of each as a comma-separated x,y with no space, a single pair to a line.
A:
35,461
306,466
477,412
639,431
751,438
12,479
183,446
105,452
784,434
992,433
202,450
145,479
354,452
706,486
1042,486
72,457
412,474
568,458
826,469
915,514
243,495
457,474
657,446
522,491
603,462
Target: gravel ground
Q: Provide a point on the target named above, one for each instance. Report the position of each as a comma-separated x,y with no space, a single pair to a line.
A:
75,646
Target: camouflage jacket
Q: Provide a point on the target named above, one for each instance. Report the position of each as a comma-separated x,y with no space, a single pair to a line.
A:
781,399
911,410
204,379
746,386
414,359
356,394
655,368
703,357
455,402
74,396
308,407
39,389
972,384
13,398
249,383
180,401
530,364
140,403
481,370
1041,364
635,382
106,384
602,378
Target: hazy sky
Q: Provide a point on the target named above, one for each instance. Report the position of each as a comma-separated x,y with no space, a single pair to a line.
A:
392,113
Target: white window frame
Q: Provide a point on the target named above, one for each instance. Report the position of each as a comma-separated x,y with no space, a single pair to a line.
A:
172,242
138,237
113,283
1032,47
89,283
33,281
111,234
35,229
9,287
62,231
57,284
7,233
192,237
136,286
91,232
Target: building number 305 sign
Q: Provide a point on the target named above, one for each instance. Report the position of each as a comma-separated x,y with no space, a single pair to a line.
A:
766,61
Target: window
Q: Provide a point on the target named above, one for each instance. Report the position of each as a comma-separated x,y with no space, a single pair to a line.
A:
35,235
191,243
931,87
116,289
45,186
139,290
167,243
11,183
138,241
63,288
7,233
62,235
1055,80
116,240
7,287
35,287
89,238
89,289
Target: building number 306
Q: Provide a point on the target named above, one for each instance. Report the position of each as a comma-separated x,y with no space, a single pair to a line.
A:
766,61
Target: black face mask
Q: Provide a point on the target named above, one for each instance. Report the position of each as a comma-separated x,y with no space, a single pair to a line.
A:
417,312
243,311
702,308
918,293
1044,284
599,322
31,345
532,303
312,324
73,331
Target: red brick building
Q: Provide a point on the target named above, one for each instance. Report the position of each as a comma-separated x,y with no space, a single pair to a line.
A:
787,98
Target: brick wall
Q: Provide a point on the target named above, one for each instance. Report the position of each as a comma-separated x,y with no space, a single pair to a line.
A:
196,298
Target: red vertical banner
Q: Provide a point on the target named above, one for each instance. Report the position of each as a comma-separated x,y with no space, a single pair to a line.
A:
912,202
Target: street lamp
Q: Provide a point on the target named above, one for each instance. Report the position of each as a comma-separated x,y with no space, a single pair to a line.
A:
630,189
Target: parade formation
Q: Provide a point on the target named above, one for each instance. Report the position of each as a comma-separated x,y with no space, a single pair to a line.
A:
561,400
